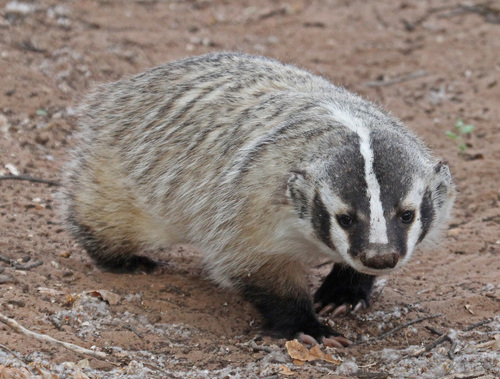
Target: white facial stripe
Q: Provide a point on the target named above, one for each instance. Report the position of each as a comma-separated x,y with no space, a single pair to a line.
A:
378,227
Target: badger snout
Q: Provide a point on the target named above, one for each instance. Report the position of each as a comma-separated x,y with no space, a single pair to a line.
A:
380,261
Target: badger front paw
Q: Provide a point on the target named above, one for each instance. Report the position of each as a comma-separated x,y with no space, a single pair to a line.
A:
343,290
292,317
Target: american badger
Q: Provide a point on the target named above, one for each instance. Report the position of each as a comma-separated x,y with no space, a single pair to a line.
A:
265,167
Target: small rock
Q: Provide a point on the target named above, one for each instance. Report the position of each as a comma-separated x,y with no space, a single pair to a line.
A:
4,123
455,232
5,278
20,8
42,138
12,169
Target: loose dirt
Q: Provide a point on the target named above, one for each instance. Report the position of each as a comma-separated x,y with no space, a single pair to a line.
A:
429,62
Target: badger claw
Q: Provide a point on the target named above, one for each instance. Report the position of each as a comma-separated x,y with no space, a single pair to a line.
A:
325,310
307,339
341,309
337,341
361,305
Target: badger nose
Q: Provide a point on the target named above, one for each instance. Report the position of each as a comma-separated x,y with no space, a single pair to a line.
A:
380,261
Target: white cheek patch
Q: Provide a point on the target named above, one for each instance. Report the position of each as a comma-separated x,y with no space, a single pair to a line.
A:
378,225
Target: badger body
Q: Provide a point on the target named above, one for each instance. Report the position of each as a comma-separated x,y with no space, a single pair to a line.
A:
265,167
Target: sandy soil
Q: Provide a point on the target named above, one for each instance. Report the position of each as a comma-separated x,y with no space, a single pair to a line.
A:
429,62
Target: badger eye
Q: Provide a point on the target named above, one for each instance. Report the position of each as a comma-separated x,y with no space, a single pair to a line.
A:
345,221
407,217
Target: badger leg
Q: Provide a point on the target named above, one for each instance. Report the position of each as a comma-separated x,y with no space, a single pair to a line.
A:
113,257
105,216
280,293
343,290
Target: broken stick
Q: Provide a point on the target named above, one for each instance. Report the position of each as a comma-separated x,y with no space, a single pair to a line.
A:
397,328
42,337
30,179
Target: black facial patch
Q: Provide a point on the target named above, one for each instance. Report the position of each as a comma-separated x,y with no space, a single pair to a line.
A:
393,167
427,214
346,178
321,221
397,233
346,173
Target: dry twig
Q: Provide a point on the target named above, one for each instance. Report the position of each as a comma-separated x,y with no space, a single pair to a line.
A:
14,354
29,179
435,343
477,324
397,328
15,264
132,329
42,337
443,338
398,79
27,266
433,330
5,259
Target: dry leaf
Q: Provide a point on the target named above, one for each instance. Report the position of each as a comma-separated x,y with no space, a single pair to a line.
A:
496,345
110,297
79,375
285,370
493,344
50,291
469,308
301,354
318,354
14,373
46,374
83,363
296,350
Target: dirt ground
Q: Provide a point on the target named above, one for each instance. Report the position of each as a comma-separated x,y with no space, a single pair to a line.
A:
429,62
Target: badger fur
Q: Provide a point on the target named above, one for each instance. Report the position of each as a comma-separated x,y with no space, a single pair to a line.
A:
266,168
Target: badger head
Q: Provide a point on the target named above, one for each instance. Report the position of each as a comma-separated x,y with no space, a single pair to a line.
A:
371,197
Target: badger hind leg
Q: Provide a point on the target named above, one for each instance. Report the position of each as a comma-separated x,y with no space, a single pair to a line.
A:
106,218
280,293
118,257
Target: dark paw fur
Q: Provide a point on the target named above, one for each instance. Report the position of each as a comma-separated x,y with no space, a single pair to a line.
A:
346,286
128,264
287,316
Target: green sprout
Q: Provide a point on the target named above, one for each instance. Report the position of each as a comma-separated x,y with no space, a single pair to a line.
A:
41,112
461,130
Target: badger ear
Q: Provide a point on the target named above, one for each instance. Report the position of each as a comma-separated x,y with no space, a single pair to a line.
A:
298,192
442,186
